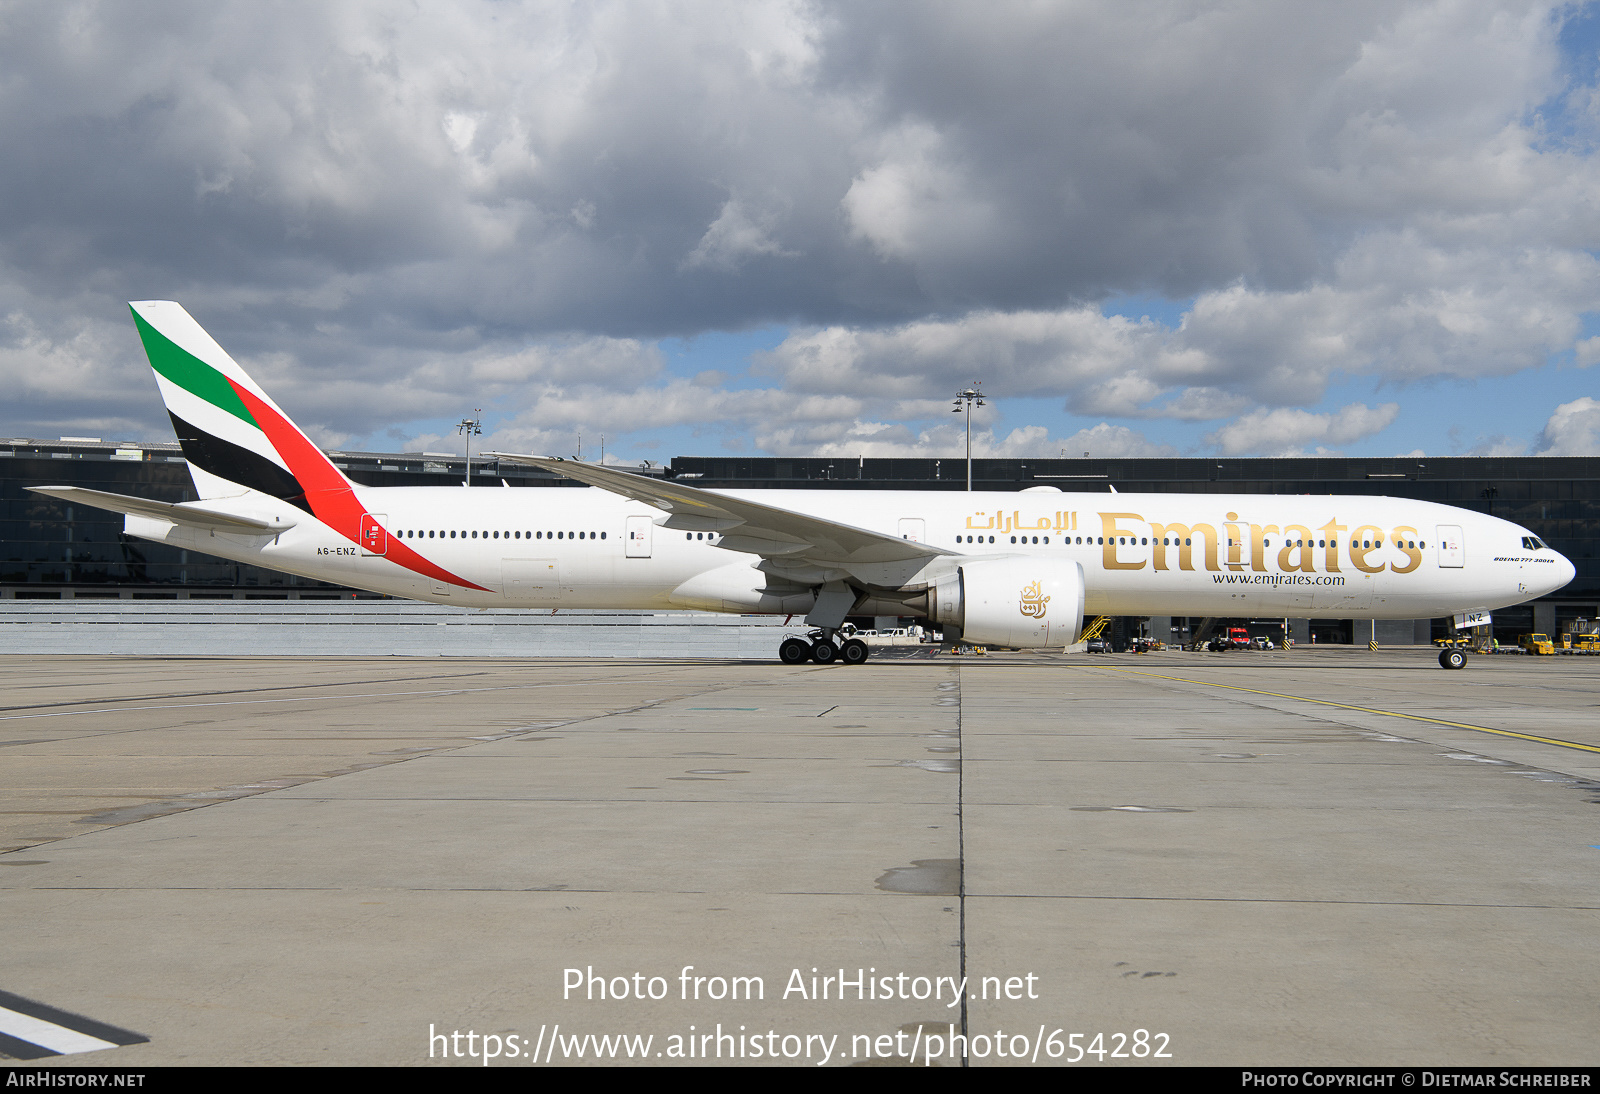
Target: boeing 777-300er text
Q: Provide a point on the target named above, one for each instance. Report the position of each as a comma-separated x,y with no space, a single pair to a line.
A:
1008,569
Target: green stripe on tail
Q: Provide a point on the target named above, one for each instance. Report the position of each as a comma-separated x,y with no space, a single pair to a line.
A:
189,372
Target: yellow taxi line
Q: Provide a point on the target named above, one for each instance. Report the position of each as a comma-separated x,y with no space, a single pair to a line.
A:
1367,710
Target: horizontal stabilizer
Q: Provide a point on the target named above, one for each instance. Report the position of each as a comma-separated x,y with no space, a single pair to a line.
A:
192,514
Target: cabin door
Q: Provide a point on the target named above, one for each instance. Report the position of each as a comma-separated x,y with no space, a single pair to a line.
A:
374,537
639,536
1452,549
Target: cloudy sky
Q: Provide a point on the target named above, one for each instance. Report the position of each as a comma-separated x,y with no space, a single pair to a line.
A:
799,228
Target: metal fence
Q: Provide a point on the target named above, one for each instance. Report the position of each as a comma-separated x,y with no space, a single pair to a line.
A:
391,628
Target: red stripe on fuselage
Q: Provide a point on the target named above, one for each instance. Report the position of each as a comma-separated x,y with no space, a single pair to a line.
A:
328,491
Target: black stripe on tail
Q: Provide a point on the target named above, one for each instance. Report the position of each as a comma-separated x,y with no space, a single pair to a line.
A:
227,460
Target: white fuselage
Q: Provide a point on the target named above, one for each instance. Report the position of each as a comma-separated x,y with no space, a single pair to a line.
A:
1142,554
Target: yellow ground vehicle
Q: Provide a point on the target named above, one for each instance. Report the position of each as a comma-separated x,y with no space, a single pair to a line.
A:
1537,644
1453,641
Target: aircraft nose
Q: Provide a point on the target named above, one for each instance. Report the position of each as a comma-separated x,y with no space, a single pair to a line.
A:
1565,572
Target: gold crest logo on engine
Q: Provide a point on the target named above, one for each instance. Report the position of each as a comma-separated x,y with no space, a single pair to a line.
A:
1034,601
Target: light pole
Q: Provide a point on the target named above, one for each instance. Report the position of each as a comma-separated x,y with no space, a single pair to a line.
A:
471,427
964,401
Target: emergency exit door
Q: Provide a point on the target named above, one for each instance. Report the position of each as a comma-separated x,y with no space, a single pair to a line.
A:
638,530
374,538
1452,548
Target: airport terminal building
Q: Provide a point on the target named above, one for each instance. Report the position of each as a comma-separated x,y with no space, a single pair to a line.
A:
54,550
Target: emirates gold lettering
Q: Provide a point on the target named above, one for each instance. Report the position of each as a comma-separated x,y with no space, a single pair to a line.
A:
1181,535
1108,551
1033,601
1297,552
1405,539
1297,540
1331,533
1258,550
1359,550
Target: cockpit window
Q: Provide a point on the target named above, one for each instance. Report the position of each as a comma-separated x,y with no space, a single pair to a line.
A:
1532,543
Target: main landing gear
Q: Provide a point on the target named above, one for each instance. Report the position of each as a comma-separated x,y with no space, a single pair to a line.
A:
825,646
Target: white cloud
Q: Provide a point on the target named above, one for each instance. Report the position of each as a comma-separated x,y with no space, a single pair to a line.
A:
1588,352
914,201
1289,432
394,211
734,237
1573,430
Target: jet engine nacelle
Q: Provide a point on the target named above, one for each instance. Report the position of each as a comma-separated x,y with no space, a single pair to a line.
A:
1022,602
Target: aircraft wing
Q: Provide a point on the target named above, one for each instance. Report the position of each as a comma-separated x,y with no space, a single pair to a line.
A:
192,514
801,546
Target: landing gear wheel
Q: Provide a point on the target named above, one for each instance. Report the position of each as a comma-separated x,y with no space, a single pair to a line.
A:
855,652
1452,659
824,652
794,651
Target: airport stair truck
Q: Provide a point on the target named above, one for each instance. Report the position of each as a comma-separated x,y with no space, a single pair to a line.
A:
1095,629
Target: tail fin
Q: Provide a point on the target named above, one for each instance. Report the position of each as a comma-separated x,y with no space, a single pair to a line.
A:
233,435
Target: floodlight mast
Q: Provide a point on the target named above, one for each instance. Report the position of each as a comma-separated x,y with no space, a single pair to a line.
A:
964,401
471,427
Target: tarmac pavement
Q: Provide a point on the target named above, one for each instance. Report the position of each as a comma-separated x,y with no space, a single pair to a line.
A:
1246,859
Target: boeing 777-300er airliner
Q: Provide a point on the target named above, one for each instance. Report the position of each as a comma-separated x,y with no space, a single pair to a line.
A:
1008,569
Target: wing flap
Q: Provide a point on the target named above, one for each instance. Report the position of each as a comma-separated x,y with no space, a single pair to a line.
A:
753,527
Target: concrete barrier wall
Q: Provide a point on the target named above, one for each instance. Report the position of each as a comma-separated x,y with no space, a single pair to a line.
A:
387,628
